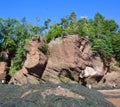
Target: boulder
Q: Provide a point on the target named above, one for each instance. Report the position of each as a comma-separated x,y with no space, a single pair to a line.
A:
35,63
71,57
91,76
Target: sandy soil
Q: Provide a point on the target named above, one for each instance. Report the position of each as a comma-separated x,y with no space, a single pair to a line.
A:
115,101
114,92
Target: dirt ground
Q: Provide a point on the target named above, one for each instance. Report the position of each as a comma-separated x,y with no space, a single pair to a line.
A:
115,101
114,92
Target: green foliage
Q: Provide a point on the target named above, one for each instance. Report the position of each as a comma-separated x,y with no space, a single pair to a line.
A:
67,26
110,27
17,61
43,48
14,35
102,34
35,29
116,46
8,34
55,31
99,25
100,46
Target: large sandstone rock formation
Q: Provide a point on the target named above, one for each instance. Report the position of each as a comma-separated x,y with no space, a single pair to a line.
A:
71,57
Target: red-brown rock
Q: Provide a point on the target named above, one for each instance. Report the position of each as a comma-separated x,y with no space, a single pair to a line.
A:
2,71
23,77
72,57
33,67
67,57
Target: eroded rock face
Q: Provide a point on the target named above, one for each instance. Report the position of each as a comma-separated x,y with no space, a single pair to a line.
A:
33,67
112,79
94,74
35,62
2,71
71,57
23,77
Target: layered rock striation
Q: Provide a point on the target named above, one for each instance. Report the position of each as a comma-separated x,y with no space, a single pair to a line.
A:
72,57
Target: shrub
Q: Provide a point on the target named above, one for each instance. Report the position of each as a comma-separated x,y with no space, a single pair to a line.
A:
43,48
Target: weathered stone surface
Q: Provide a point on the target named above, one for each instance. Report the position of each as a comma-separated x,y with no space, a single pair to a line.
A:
4,55
71,57
112,79
23,77
67,56
91,75
35,63
2,71
97,68
33,67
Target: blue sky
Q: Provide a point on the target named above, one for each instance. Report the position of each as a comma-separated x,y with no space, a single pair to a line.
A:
56,9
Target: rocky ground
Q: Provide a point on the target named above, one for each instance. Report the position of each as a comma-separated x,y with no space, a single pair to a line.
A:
51,95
